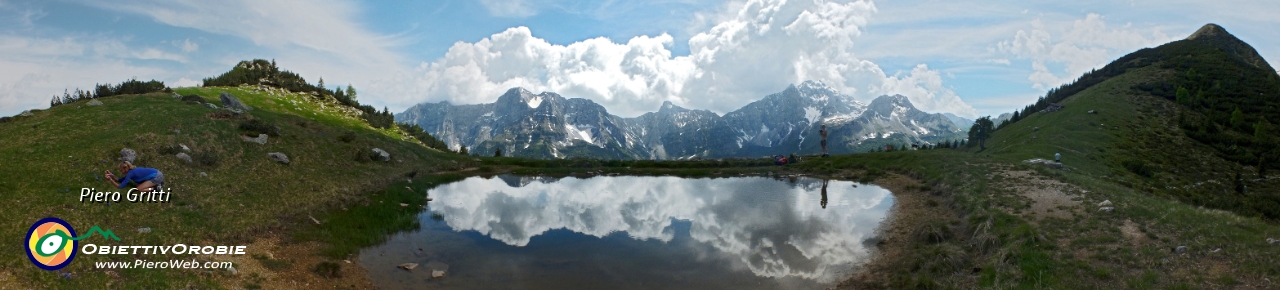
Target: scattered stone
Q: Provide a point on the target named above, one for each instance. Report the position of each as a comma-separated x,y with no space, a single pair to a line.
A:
1273,241
1215,250
1105,203
1107,209
382,155
408,266
202,174
314,220
1053,164
1180,249
404,204
232,102
1093,112
279,157
127,154
347,261
437,268
1035,129
94,102
234,111
211,106
184,157
177,96
144,230
176,131
261,139
184,146
26,113
233,270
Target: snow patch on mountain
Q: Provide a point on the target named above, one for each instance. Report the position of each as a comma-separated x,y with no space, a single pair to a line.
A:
534,102
812,114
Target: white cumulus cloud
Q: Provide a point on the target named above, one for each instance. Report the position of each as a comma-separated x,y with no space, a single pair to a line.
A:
1083,45
753,49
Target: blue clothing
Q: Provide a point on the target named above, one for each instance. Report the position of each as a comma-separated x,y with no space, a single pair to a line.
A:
138,175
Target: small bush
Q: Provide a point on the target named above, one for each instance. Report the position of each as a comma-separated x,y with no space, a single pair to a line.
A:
260,127
193,98
206,158
221,114
170,150
328,269
347,137
1137,167
363,156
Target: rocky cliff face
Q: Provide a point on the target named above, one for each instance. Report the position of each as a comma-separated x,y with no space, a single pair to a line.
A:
547,125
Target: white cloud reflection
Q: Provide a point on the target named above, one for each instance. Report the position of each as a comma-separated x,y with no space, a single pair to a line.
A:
775,229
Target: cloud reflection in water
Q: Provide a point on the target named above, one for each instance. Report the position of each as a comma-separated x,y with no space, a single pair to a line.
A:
775,228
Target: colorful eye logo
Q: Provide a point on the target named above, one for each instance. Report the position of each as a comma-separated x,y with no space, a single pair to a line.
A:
50,245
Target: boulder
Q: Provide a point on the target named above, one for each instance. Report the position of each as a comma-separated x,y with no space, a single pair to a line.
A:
127,154
232,102
261,139
1053,164
184,157
382,155
278,157
94,102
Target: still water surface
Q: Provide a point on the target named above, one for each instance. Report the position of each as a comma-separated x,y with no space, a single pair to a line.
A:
632,232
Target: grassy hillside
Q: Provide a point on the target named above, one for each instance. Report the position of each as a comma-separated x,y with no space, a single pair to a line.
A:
231,194
1022,226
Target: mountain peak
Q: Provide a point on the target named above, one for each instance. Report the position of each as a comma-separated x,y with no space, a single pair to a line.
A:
1217,36
669,107
1208,30
814,85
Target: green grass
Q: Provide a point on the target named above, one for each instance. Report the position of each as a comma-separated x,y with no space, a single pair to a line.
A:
240,197
991,240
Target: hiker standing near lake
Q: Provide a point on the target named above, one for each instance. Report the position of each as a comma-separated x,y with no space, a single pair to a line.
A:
823,133
145,178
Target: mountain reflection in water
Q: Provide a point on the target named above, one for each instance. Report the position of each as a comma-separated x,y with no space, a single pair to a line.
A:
636,232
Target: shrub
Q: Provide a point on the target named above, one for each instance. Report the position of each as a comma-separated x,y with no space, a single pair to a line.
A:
328,269
206,158
260,127
192,98
347,137
170,150
1137,167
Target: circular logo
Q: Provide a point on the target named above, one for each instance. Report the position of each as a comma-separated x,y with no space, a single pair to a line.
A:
50,245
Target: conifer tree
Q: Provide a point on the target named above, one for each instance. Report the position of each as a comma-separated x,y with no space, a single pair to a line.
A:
1237,118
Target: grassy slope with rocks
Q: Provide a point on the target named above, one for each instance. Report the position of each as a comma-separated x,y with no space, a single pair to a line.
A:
232,194
969,218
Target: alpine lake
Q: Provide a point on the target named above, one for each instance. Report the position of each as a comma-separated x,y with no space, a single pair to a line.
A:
634,232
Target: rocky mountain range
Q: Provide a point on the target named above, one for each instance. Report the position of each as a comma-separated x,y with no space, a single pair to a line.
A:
547,125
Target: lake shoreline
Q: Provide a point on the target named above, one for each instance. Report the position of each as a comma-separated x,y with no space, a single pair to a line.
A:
915,207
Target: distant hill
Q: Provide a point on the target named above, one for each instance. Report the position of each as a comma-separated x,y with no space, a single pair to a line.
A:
547,125
1190,119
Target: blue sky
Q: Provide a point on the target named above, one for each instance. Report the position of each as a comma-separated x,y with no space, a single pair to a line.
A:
971,58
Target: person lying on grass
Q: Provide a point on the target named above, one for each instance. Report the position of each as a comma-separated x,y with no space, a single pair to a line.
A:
145,178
